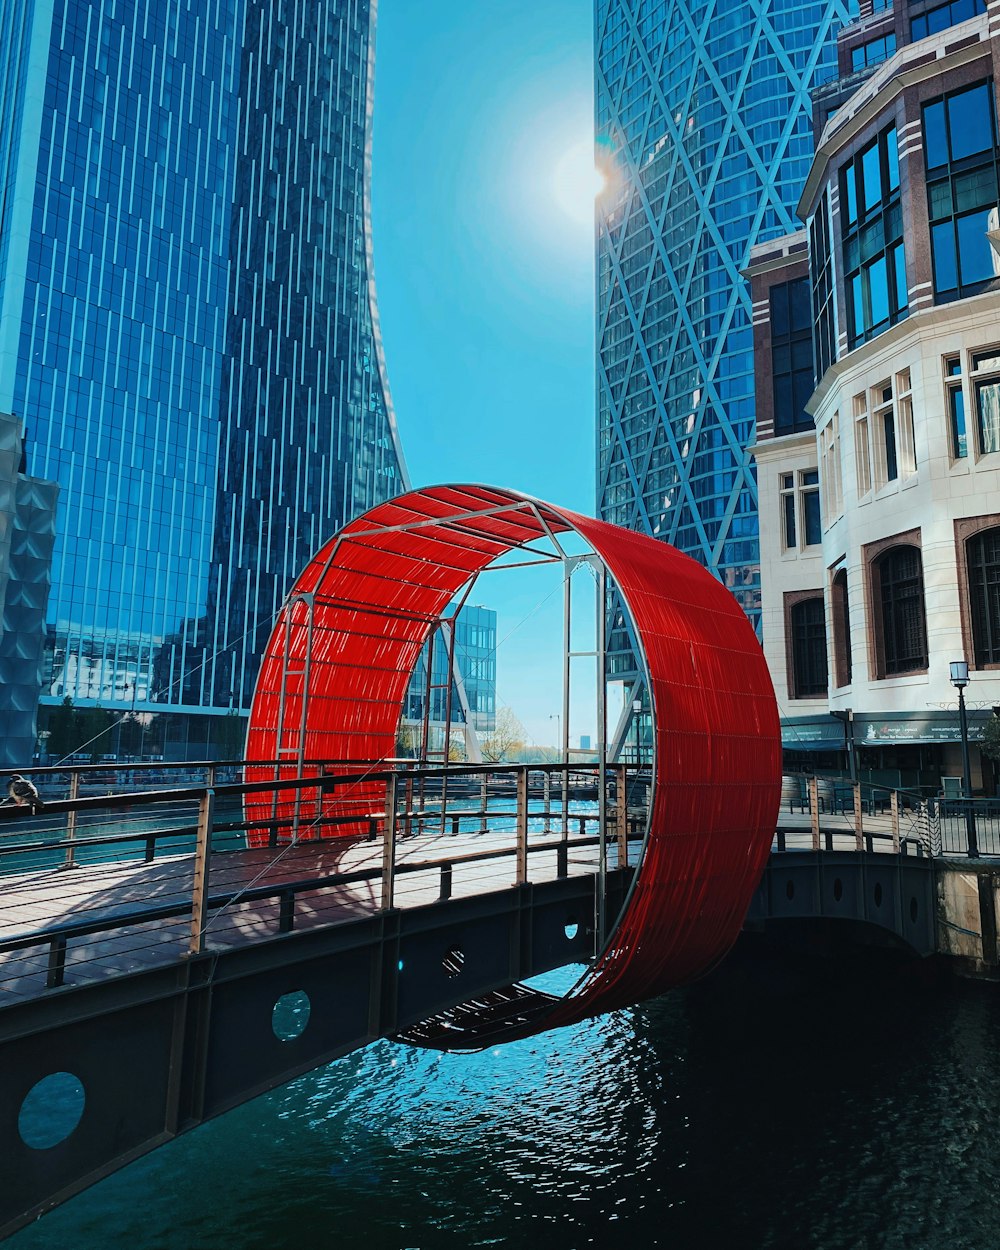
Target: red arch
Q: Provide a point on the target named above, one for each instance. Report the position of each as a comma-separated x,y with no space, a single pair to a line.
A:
377,589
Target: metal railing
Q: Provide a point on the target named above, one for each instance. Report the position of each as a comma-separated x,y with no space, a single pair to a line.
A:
155,877
883,818
100,883
844,815
967,826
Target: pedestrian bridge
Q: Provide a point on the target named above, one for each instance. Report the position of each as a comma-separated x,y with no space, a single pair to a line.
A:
168,955
157,968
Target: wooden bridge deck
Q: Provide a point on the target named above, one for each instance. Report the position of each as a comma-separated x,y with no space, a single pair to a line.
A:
348,873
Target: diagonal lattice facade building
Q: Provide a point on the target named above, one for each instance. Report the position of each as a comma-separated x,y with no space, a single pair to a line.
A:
704,116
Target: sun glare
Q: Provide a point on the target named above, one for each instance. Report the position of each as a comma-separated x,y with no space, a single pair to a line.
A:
577,182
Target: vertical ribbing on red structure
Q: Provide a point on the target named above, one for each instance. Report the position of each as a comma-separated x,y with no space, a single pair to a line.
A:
377,590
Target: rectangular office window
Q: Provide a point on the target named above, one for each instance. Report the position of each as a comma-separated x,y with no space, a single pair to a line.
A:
960,151
956,406
821,271
986,388
831,478
812,526
788,510
893,451
884,428
906,437
861,448
872,52
791,355
986,384
942,16
873,249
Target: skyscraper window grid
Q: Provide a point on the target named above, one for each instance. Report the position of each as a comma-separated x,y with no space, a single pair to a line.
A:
189,331
703,112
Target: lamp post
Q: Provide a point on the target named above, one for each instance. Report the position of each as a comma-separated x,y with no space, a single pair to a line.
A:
558,720
636,714
960,679
847,716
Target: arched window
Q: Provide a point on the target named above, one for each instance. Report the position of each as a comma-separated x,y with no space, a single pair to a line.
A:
841,615
808,626
982,553
899,592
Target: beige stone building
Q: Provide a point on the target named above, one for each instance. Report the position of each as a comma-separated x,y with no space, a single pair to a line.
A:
880,490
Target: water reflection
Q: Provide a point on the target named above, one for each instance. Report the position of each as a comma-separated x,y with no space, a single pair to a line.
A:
768,1106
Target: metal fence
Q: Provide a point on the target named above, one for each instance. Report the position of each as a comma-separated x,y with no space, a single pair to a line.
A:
110,874
844,815
120,868
880,818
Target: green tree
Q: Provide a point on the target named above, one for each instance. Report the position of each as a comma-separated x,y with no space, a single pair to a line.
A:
407,742
990,744
505,742
92,728
230,735
62,730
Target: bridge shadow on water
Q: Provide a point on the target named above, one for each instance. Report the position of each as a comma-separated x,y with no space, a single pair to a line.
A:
816,1096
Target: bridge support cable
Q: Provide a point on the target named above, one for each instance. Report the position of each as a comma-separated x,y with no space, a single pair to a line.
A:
568,568
600,927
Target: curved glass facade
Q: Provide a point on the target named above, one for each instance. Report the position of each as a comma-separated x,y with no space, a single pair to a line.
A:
704,112
188,330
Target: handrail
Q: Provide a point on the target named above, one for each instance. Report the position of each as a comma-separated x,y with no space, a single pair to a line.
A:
324,781
301,885
430,767
100,829
950,826
57,936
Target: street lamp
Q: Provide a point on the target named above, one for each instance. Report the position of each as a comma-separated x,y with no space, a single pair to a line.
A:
960,679
847,716
557,717
636,714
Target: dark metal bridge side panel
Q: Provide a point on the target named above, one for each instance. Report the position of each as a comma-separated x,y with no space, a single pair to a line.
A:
125,1073
895,893
158,1052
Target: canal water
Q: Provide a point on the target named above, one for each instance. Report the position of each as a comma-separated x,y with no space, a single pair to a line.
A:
782,1102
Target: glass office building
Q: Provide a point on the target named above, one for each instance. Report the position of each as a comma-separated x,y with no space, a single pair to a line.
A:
188,328
704,115
471,699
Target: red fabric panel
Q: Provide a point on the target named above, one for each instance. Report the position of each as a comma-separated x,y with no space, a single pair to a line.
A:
717,747
378,590
717,775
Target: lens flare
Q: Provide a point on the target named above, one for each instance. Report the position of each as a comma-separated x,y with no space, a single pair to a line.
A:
577,182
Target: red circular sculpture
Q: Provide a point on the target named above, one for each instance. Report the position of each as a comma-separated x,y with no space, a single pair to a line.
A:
353,629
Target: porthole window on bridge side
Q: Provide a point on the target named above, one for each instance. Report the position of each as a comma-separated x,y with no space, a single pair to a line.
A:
838,889
454,961
290,1015
51,1110
877,894
571,928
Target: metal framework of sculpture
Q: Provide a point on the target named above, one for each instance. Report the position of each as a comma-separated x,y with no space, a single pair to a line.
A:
336,671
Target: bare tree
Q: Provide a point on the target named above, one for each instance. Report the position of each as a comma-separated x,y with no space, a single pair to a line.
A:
505,742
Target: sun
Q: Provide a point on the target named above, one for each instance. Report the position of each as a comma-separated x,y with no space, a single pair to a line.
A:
577,182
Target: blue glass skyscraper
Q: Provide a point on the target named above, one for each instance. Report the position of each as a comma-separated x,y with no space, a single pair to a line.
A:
703,110
188,326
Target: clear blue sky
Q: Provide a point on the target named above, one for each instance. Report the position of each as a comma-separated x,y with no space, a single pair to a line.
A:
484,257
